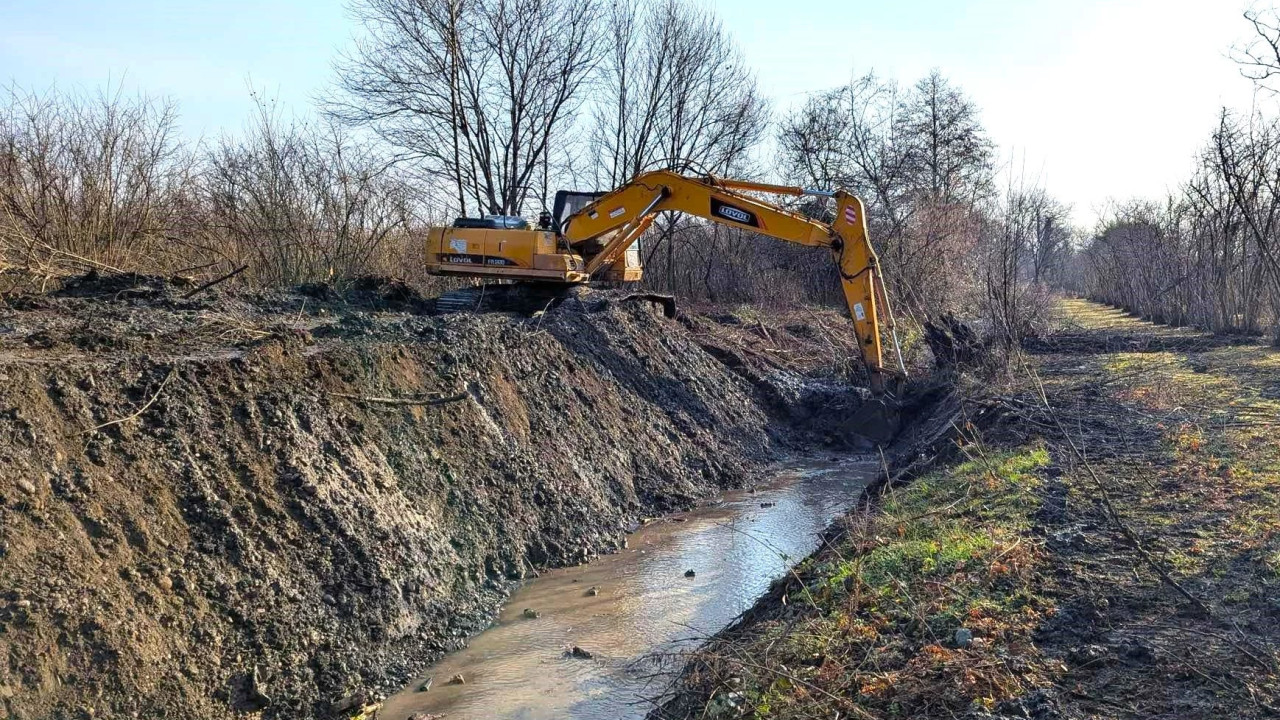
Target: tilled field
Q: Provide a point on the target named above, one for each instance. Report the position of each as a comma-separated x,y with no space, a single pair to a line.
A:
288,503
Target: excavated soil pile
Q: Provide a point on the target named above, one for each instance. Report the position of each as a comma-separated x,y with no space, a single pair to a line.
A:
290,502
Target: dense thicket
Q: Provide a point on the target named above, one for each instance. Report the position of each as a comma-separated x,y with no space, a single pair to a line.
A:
106,182
451,107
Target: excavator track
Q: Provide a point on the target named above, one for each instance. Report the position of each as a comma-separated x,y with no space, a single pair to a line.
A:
523,298
461,300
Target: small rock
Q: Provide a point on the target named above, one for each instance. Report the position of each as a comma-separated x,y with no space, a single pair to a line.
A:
23,604
26,486
593,591
579,653
531,614
164,582
346,703
1138,651
1087,654
457,680
964,637
426,685
1070,537
690,573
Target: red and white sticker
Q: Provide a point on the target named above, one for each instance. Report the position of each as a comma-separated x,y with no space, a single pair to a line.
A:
851,215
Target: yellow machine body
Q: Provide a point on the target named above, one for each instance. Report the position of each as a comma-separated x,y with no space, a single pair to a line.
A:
503,254
595,235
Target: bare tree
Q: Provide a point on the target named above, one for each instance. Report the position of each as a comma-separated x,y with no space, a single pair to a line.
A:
673,92
1051,243
676,93
853,137
474,90
1010,243
1259,56
923,162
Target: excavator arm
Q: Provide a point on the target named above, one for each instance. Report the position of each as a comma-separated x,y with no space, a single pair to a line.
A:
620,217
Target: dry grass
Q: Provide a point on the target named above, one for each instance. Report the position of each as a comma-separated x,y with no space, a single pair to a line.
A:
1133,575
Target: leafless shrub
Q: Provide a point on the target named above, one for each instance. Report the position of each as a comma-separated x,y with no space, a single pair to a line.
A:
304,203
1009,259
103,182
1208,255
90,181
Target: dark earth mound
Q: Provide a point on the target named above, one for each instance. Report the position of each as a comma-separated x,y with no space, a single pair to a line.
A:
290,502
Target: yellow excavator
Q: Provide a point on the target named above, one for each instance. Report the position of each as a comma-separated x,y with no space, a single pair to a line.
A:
591,236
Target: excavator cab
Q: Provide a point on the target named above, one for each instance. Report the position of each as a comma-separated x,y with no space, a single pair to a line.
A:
569,203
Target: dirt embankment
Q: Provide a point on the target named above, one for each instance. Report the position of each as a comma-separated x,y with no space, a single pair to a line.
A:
287,503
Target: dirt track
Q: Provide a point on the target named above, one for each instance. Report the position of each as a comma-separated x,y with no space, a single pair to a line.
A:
291,502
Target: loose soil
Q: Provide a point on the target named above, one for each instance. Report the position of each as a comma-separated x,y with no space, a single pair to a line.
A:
288,503
1097,537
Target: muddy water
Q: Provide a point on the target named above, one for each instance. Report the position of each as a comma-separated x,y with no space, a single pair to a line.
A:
645,607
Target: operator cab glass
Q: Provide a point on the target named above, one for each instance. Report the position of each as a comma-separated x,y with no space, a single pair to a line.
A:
493,222
569,203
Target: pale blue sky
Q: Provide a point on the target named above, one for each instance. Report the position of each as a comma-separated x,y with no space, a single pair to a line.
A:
1098,98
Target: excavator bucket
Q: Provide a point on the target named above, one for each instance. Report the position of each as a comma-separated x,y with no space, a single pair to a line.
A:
878,420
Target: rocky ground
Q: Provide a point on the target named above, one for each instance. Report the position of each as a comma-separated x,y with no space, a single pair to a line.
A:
1097,537
286,503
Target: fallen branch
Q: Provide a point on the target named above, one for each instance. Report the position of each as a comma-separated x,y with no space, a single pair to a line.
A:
402,401
141,410
215,281
83,260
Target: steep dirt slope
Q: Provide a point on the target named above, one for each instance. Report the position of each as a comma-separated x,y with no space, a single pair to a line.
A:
222,505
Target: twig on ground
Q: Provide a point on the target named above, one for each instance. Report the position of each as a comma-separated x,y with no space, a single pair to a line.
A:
215,281
140,410
401,401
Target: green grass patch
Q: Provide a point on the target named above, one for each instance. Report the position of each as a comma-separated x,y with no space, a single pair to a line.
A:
949,551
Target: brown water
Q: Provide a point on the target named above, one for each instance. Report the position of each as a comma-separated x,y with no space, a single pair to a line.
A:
646,608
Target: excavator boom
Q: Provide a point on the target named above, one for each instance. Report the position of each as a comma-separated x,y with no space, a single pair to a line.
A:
597,241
